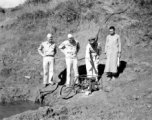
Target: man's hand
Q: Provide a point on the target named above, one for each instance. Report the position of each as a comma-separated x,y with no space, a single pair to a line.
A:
119,54
42,55
105,54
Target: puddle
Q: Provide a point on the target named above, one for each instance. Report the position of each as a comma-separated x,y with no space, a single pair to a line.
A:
14,108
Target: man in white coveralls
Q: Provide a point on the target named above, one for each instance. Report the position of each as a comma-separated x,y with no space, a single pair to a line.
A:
93,51
47,50
70,48
113,51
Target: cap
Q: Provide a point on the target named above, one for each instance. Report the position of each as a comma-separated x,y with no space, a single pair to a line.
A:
70,36
49,35
92,38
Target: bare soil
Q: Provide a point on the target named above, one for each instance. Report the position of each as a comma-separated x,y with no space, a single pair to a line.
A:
22,30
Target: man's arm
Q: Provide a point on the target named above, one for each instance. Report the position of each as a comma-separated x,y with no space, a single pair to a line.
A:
55,50
88,53
99,49
62,47
119,44
97,35
40,50
78,47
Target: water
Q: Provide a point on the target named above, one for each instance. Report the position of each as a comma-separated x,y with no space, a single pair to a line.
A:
14,108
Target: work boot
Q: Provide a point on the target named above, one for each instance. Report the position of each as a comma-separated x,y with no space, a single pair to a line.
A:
51,83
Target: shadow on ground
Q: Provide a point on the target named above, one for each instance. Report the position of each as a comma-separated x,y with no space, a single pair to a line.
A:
121,68
62,77
82,71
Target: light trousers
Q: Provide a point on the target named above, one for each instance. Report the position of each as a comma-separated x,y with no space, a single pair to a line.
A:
92,67
112,61
48,69
69,63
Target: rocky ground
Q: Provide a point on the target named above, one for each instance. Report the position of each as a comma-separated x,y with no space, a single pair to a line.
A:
22,30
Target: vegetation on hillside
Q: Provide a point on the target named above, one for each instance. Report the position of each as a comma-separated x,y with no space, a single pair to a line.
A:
26,26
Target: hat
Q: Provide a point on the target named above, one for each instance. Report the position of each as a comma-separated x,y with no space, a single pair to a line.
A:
70,36
49,35
92,38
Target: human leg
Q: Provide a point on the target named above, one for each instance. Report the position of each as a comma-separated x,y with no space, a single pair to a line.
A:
96,63
75,68
45,70
114,61
51,70
89,68
107,65
68,70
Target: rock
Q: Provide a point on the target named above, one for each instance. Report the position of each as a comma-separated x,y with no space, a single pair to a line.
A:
108,89
28,77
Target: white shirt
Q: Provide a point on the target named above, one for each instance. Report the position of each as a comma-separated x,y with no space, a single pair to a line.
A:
48,48
70,50
93,51
113,43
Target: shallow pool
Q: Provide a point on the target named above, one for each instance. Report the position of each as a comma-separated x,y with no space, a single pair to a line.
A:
10,109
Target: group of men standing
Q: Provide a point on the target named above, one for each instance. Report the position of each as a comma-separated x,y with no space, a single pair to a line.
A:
71,47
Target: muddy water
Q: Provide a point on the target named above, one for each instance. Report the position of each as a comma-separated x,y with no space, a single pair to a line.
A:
8,110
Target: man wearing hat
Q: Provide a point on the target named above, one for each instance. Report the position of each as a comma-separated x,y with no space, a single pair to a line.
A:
93,51
70,48
47,50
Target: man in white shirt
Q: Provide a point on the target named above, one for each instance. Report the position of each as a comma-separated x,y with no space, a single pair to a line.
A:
47,50
113,51
70,48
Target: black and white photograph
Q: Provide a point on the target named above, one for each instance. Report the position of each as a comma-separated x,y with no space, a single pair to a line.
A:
75,59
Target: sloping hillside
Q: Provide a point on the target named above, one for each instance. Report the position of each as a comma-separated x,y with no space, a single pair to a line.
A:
23,28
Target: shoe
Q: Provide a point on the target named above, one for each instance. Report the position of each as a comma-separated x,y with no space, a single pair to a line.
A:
87,93
113,78
51,83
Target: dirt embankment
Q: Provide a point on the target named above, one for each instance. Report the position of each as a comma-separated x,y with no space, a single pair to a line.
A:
24,28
